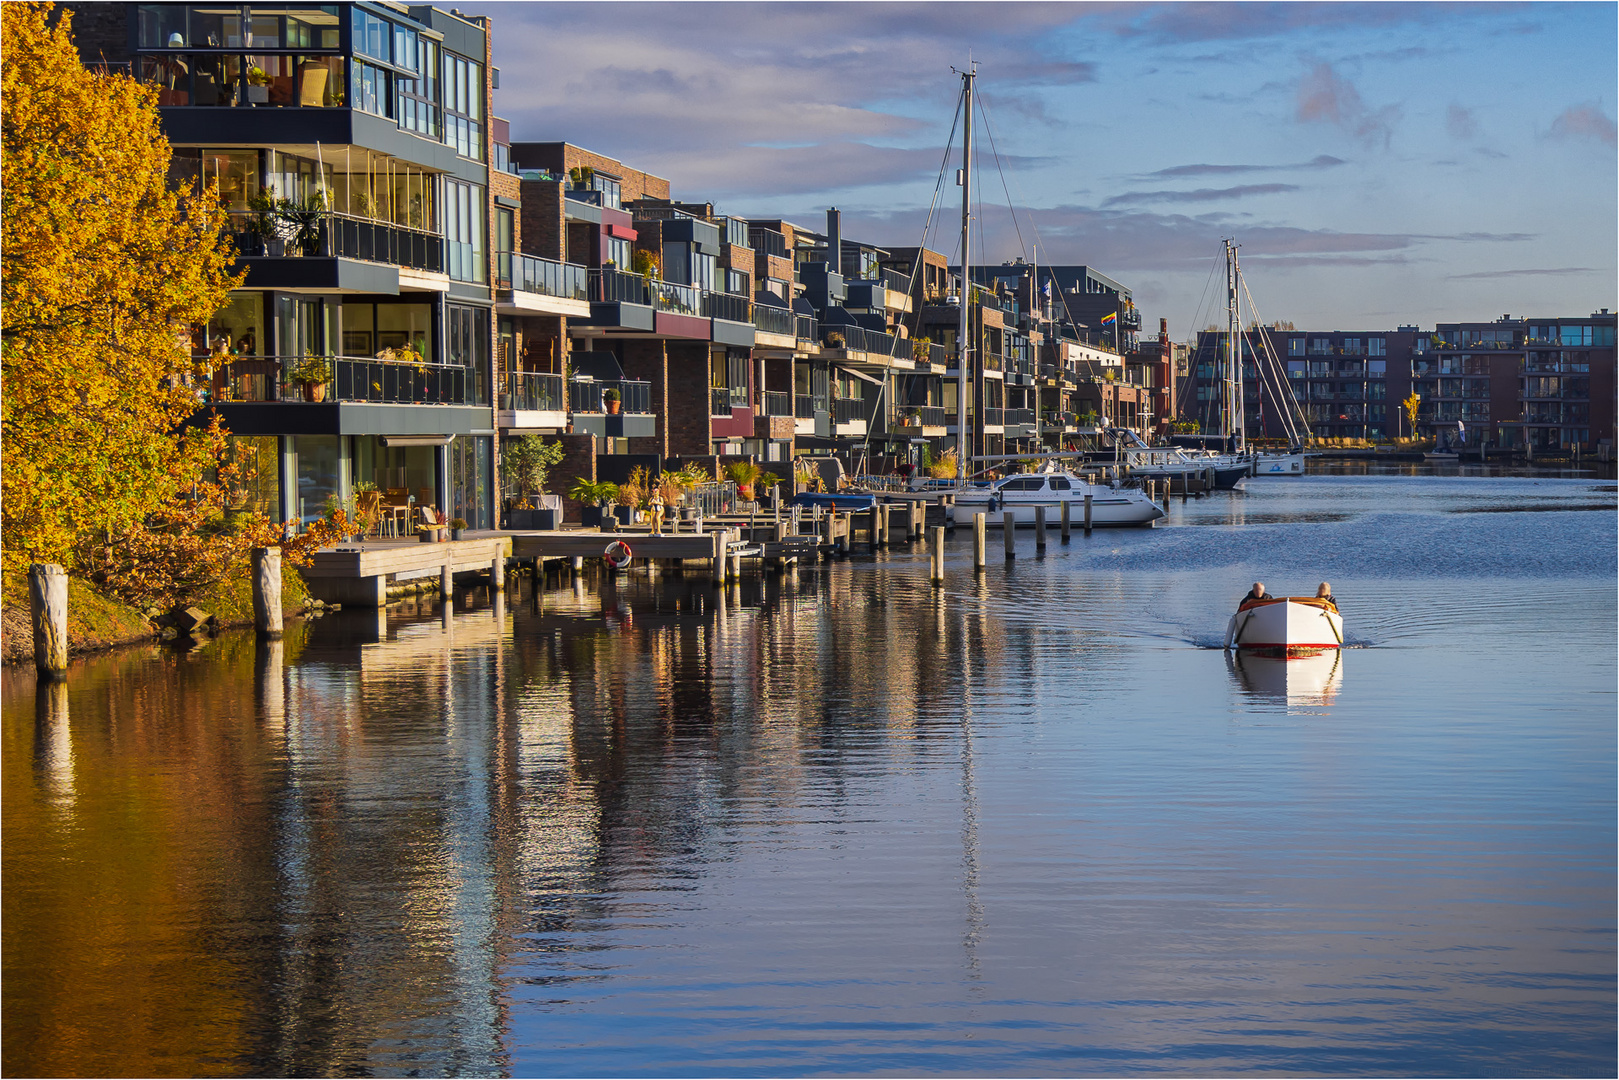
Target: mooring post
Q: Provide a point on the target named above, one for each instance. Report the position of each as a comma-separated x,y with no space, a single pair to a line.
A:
938,555
47,596
267,591
1065,516
497,571
1088,498
980,529
843,524
1009,532
446,581
577,564
1040,529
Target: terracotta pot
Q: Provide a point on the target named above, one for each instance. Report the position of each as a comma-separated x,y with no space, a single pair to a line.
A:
314,391
613,407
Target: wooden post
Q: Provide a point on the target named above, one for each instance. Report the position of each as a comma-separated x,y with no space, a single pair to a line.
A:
1066,514
47,596
938,555
267,591
446,581
1009,532
1040,530
1088,498
980,528
828,538
717,543
844,526
497,572
577,563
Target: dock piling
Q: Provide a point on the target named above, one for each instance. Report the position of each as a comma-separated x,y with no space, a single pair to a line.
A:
497,572
1088,498
267,591
1065,516
980,527
1009,532
1040,530
47,596
938,555
446,581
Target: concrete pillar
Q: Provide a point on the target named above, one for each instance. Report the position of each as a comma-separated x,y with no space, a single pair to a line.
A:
497,572
938,555
1066,506
1088,498
980,528
267,591
1009,532
47,600
1040,529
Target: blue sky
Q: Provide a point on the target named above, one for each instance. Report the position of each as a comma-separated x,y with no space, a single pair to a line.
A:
1380,164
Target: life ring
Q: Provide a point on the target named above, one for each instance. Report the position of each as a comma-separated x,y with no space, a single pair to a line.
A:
617,555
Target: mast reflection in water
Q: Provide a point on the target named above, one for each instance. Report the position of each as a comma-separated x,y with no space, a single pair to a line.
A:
841,822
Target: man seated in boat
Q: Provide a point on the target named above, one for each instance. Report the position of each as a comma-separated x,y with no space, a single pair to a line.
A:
1256,593
1324,592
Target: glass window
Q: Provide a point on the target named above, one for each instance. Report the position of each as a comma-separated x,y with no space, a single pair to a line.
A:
371,36
1375,346
320,463
1295,346
464,219
463,105
469,342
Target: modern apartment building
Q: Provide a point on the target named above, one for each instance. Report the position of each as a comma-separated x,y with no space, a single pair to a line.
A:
352,145
1545,383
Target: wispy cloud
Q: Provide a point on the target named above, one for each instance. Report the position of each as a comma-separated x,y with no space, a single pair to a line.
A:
1183,23
1585,122
1491,275
1325,97
1320,161
1460,122
1242,191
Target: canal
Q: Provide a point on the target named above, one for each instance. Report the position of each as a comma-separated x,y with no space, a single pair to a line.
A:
1035,822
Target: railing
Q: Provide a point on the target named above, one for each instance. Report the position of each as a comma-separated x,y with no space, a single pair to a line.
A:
584,195
617,286
675,298
1062,419
848,410
768,241
1018,416
587,395
993,361
928,353
343,378
994,418
922,416
661,213
543,277
806,328
710,499
719,401
778,403
532,391
773,320
858,339
718,305
334,235
805,406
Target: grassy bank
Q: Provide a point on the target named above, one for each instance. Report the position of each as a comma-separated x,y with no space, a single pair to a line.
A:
96,621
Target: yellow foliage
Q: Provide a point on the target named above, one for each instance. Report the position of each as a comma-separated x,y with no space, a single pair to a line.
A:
105,269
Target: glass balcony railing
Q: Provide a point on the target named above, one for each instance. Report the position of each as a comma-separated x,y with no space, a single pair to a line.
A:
805,406
718,305
719,401
677,299
543,277
591,395
617,286
773,320
848,410
344,378
532,391
333,235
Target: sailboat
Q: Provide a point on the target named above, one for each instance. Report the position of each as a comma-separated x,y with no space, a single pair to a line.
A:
1270,374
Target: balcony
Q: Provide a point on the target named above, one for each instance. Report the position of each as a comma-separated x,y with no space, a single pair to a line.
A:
1019,423
676,299
728,306
618,287
330,235
533,285
994,420
532,399
920,420
925,352
588,402
773,320
719,401
849,416
857,339
807,330
778,403
289,379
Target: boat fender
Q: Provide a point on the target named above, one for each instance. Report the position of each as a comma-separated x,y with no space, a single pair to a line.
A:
617,555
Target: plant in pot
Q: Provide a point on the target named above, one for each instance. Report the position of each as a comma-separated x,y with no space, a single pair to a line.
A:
592,496
458,527
765,485
613,400
633,496
743,474
258,86
312,373
526,463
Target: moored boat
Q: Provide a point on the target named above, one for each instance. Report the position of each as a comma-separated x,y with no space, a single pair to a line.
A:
1290,625
1022,493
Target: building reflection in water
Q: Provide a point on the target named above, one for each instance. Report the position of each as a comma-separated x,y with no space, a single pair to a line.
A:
349,851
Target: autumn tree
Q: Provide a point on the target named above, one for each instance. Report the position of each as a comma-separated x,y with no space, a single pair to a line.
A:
105,269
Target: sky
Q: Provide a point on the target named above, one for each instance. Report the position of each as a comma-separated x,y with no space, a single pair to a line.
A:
1380,164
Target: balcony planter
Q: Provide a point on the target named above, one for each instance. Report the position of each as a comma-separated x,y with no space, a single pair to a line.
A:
613,407
457,534
314,391
624,514
590,517
258,95
544,519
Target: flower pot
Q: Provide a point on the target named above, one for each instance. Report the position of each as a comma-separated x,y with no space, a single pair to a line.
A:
314,391
590,517
624,514
427,536
613,407
456,534
258,95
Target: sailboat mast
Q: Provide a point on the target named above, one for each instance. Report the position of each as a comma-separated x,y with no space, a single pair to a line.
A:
1238,409
962,334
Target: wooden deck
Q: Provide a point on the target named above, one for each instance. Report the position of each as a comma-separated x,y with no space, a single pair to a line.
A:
359,574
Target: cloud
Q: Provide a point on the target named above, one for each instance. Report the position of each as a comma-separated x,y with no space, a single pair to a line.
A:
1490,275
1585,122
1321,161
1183,23
1201,194
1460,122
1325,97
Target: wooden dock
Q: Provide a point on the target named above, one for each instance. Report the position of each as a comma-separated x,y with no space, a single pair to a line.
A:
359,574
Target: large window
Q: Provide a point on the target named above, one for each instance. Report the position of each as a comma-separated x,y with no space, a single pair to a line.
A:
469,340
241,56
464,218
463,105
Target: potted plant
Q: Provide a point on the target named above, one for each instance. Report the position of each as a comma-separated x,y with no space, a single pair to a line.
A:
613,400
631,496
313,373
743,473
592,496
458,527
834,340
258,86
526,462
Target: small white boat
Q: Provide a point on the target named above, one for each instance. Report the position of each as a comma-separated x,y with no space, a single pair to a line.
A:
1291,464
1289,625
1021,493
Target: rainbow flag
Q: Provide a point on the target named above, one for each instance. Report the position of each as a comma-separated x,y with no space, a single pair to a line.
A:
1110,318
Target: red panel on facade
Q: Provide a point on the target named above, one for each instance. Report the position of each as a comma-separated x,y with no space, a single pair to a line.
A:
682,326
739,426
622,232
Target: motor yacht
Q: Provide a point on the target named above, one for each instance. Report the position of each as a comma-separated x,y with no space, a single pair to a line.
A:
1110,504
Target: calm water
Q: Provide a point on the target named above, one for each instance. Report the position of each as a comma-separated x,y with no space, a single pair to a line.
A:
840,824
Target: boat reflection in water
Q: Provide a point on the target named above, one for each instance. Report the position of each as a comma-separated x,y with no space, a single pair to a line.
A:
1302,681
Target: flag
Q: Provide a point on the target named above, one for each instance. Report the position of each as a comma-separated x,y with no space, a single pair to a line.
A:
1048,290
1110,318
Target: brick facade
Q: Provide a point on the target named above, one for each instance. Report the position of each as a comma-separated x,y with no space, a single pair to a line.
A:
578,463
560,157
686,418
541,226
647,359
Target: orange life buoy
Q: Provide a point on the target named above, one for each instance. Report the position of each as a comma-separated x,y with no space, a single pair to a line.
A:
617,555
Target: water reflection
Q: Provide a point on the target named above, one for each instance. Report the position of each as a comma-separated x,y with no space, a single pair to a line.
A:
1295,682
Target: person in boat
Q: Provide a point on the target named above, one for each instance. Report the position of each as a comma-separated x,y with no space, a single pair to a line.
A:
1257,593
1324,592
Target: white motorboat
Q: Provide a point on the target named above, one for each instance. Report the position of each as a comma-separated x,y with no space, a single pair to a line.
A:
1020,494
1290,625
1290,464
1174,463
